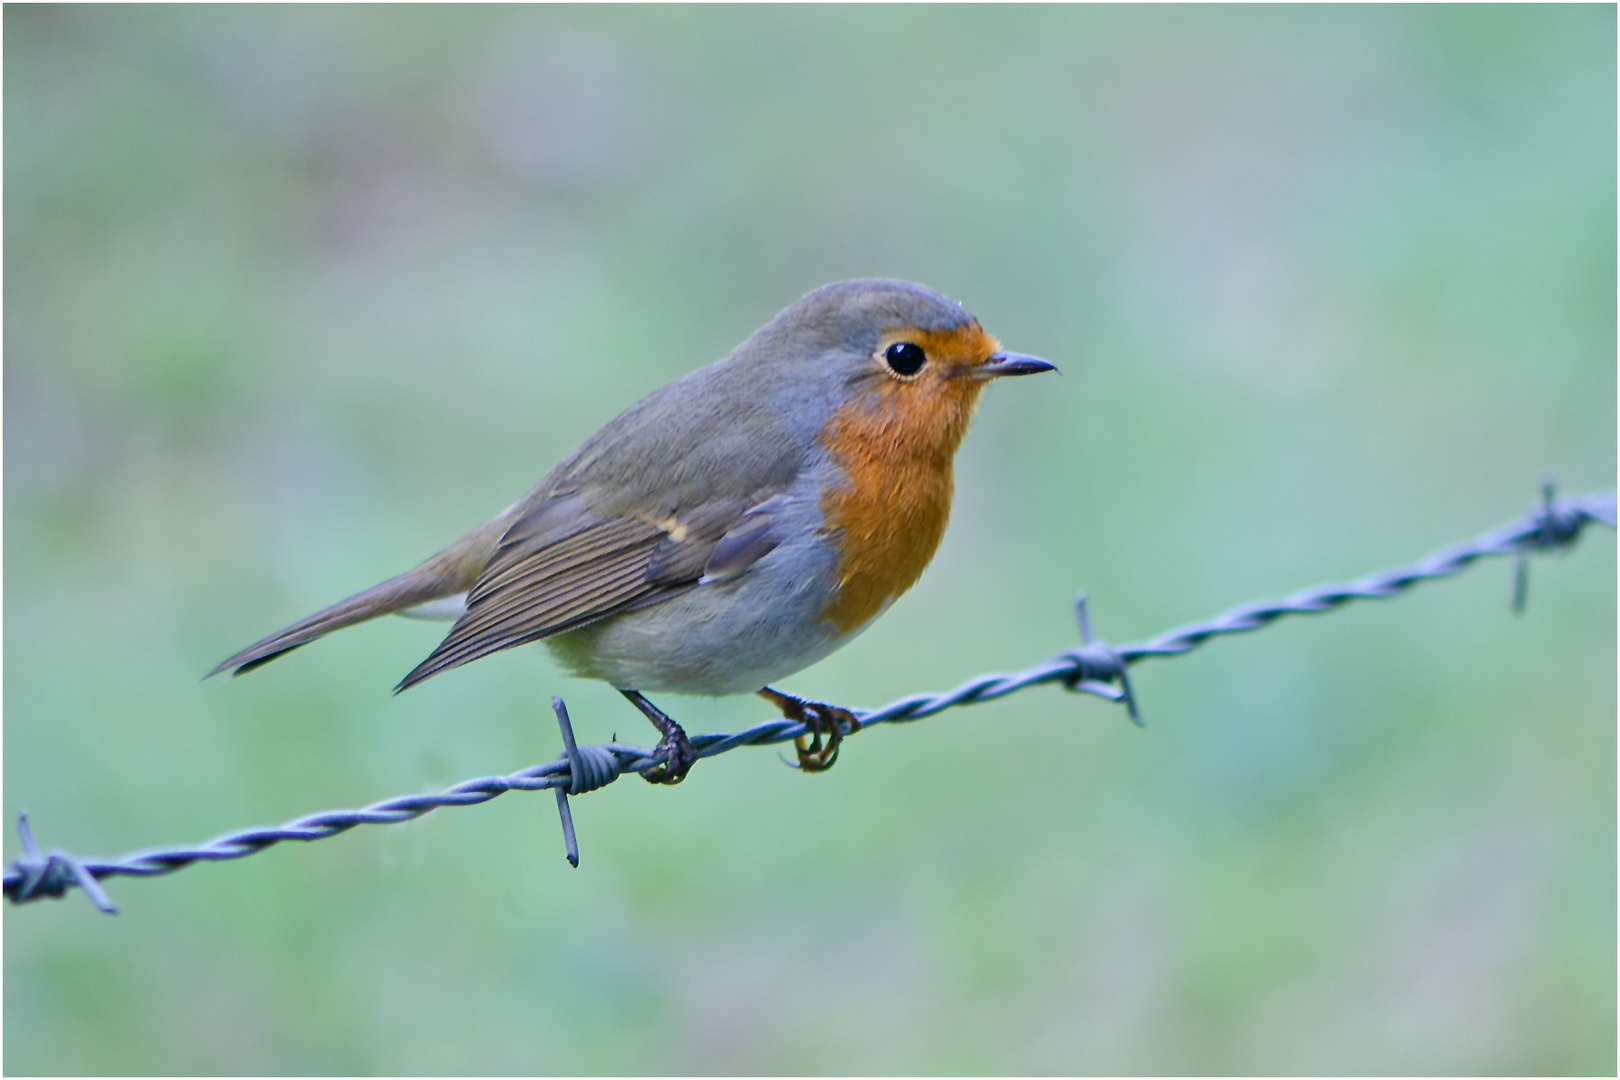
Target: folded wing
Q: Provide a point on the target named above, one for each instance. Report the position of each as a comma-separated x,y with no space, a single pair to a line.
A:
563,565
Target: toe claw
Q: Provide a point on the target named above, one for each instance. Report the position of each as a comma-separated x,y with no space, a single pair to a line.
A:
679,757
821,720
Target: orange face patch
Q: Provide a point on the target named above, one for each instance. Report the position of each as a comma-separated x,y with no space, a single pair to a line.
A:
948,350
896,441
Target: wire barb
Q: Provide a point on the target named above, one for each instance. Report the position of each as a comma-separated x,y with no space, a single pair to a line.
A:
1093,668
589,768
51,874
1097,665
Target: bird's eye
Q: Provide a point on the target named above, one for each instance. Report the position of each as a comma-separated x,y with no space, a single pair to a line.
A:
904,358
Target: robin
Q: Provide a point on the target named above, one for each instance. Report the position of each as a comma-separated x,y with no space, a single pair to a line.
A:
728,530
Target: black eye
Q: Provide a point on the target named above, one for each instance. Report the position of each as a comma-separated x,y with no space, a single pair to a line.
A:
904,358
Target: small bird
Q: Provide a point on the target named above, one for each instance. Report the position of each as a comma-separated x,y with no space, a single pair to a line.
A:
729,529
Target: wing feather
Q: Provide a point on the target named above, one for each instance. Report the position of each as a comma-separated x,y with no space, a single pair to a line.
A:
562,566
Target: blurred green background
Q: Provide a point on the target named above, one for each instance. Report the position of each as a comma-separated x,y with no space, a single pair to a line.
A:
293,296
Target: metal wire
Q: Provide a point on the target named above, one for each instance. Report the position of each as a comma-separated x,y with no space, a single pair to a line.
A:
1094,668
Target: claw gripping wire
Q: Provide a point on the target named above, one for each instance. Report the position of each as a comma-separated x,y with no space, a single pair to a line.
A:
1093,668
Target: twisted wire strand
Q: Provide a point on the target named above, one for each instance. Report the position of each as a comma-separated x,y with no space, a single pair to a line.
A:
1092,668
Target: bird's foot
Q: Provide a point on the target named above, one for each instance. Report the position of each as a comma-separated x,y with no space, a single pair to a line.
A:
831,721
678,760
679,754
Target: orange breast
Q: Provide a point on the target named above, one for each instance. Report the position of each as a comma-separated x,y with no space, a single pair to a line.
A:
897,449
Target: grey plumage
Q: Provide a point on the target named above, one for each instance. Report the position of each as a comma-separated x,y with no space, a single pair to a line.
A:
692,484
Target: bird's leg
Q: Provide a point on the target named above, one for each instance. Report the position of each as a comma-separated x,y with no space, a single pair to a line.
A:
681,756
822,719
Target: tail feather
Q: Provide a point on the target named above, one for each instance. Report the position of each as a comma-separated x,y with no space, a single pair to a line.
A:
409,589
451,571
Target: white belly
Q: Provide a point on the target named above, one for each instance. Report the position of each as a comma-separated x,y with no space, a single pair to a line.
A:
728,637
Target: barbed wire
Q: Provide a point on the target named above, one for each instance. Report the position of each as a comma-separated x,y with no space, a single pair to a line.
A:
1095,667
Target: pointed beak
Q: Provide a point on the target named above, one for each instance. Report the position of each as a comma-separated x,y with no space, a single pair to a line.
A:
1011,363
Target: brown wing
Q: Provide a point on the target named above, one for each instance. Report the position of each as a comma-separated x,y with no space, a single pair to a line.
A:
562,566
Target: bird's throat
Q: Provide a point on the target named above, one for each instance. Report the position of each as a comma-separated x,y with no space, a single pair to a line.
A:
888,518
